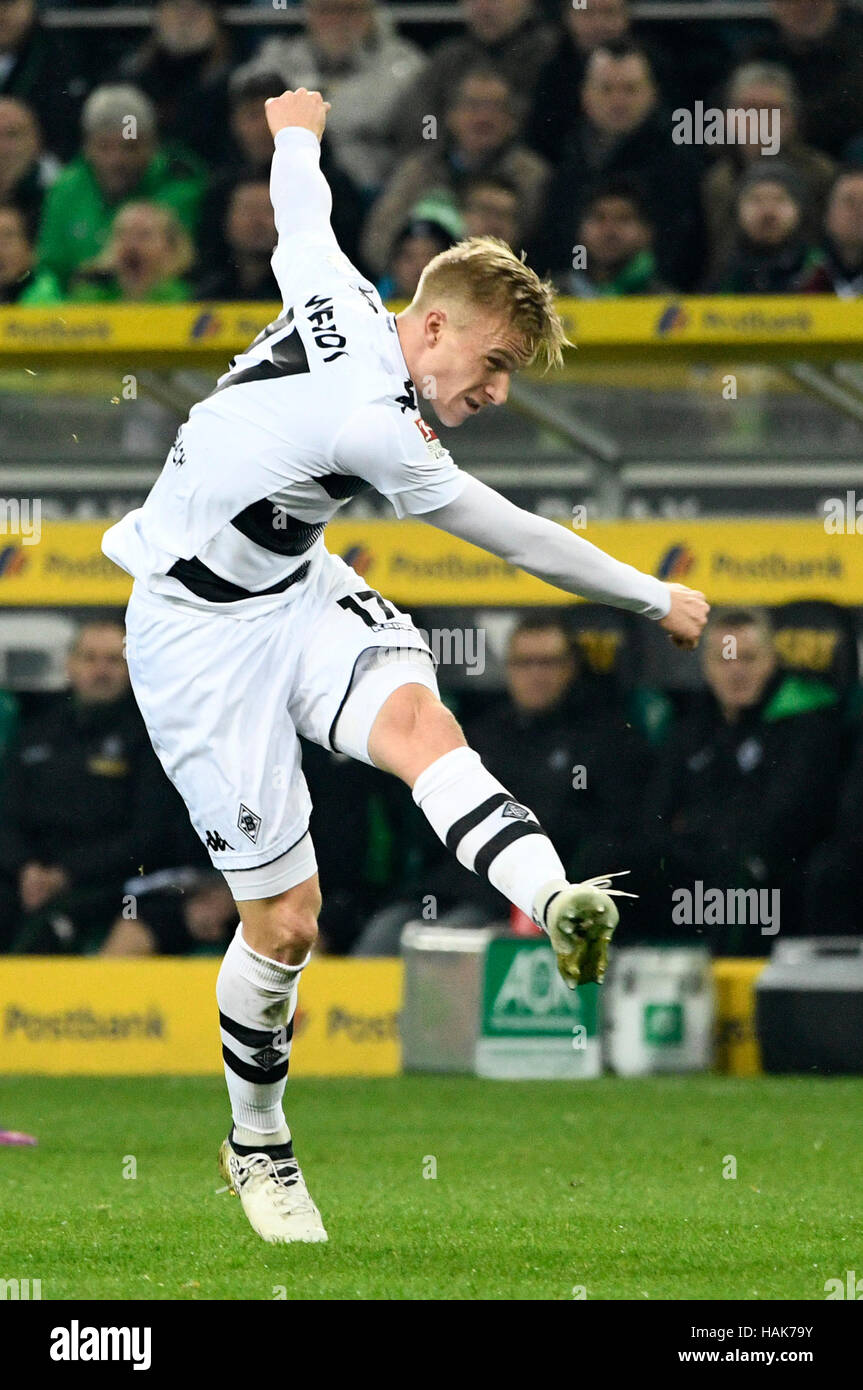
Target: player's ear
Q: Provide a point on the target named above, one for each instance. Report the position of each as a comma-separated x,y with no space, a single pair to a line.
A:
435,322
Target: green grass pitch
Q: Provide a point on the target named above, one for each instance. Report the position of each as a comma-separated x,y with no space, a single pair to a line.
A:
541,1189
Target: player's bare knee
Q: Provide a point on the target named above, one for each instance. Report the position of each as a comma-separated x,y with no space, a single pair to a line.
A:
414,711
413,729
284,928
293,931
440,726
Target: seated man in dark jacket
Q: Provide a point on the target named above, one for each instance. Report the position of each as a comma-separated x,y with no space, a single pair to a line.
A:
250,236
577,765
746,786
85,805
624,129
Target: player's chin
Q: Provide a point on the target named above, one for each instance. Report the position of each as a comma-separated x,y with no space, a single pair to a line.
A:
457,412
451,415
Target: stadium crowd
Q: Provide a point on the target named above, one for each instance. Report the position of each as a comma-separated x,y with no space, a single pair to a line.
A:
754,780
135,169
134,164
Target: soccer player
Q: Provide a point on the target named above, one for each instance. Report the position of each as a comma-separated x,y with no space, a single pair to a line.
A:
243,631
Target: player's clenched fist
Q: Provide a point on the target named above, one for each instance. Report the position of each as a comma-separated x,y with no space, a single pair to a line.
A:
687,615
299,108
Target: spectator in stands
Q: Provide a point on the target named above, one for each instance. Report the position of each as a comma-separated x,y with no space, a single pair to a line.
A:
614,256
248,155
691,57
763,87
250,143
623,129
834,878
250,235
146,257
86,803
183,67
120,161
183,912
507,35
578,766
353,56
44,70
841,269
419,240
770,255
744,788
490,207
556,105
20,282
26,171
481,138
821,43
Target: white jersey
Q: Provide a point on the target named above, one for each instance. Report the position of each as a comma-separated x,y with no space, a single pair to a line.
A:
319,407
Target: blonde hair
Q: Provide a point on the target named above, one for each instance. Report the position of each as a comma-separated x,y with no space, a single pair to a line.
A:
483,272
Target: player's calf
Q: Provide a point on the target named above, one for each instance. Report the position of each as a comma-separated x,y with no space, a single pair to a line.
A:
257,997
492,833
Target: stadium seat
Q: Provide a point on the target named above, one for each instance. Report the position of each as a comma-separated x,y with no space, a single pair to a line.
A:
816,638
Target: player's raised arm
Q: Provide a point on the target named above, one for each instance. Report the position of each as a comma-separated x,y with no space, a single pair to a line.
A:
550,552
301,197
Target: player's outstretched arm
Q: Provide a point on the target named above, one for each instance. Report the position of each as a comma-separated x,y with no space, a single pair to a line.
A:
550,552
301,197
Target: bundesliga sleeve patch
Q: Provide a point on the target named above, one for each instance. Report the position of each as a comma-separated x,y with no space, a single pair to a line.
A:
433,444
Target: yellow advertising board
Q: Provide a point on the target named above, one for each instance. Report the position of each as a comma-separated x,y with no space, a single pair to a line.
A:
702,326
658,327
737,1049
158,1017
410,562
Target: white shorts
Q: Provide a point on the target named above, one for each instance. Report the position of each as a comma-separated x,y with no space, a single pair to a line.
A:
224,698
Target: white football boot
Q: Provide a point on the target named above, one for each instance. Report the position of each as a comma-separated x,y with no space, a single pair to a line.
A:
274,1196
580,919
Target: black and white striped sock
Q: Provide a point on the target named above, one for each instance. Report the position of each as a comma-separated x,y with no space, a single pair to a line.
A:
488,829
257,999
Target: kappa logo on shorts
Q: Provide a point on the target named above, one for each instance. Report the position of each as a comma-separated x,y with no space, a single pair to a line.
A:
249,823
215,841
514,811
